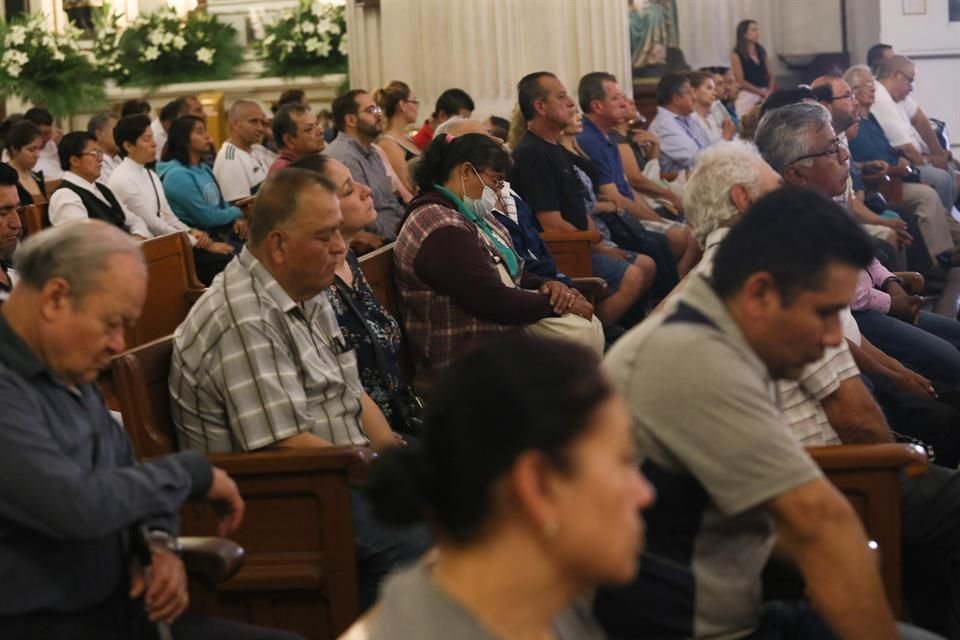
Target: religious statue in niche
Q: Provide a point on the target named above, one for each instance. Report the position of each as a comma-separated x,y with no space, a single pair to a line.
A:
654,43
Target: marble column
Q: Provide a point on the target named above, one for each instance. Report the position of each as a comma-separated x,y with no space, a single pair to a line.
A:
484,46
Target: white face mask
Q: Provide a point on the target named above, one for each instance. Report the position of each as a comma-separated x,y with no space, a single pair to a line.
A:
487,202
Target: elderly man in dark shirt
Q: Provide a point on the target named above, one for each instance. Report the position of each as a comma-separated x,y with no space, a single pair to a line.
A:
70,490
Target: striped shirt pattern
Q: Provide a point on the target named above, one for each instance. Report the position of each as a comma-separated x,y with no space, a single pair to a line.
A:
800,400
251,367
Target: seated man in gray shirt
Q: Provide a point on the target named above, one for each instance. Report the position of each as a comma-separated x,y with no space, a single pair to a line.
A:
359,121
729,476
260,360
70,489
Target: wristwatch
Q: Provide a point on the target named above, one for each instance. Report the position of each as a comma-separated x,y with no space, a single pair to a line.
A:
888,280
160,538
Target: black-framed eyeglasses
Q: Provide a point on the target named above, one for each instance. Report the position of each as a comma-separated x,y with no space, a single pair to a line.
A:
497,182
834,148
846,96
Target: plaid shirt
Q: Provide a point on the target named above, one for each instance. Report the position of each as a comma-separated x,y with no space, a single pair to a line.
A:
437,329
251,367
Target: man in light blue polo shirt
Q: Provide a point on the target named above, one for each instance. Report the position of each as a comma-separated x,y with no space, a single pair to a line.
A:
681,137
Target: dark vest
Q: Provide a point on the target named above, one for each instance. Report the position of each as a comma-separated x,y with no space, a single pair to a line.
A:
97,208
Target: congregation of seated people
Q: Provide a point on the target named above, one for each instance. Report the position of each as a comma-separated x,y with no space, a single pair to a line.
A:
612,453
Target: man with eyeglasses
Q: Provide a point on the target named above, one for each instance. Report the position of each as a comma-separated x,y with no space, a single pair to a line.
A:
359,122
242,162
895,113
10,226
80,196
296,133
872,152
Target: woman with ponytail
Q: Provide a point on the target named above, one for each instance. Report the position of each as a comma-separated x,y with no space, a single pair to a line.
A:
459,277
534,498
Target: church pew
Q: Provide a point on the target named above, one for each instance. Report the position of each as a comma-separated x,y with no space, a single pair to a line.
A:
571,250
172,288
300,568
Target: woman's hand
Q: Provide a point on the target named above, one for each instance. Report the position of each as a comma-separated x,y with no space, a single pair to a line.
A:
563,299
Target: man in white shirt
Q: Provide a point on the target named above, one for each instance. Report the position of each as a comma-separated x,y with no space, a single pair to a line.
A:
49,162
80,197
101,127
140,191
242,163
895,113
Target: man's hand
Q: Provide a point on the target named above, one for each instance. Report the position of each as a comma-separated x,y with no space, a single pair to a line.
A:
165,597
240,228
226,500
878,167
729,129
913,282
913,382
905,307
940,160
904,239
202,238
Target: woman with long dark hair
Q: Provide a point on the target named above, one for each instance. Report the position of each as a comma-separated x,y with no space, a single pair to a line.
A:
751,67
191,189
527,474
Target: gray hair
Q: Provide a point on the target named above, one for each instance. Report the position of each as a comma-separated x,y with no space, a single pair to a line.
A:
445,127
706,195
889,66
855,75
77,251
237,106
99,122
783,134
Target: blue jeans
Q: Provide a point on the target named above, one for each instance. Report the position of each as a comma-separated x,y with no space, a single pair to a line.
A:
930,347
942,182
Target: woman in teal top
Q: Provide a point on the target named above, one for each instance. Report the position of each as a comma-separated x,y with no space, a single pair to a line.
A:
190,187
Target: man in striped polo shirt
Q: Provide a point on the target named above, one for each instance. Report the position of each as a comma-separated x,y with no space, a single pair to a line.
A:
260,361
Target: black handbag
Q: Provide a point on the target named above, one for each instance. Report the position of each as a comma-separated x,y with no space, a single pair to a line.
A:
406,404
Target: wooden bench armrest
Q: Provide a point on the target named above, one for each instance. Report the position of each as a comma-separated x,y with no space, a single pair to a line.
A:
212,560
911,458
591,287
347,458
592,237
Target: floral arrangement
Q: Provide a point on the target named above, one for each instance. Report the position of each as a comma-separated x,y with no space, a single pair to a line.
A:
310,39
47,68
106,44
160,48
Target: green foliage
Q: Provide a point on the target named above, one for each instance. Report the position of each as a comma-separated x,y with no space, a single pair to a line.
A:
47,68
160,48
308,40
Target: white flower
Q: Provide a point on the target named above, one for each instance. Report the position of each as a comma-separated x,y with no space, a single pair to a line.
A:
312,45
324,26
343,48
179,42
308,27
205,55
324,49
155,38
269,40
13,70
58,55
150,53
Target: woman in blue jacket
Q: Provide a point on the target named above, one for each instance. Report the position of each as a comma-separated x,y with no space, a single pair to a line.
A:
190,187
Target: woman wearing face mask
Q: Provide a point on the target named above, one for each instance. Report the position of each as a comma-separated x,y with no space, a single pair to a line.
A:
459,277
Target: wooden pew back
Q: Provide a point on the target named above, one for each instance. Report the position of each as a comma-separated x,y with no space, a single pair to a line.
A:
172,288
300,568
